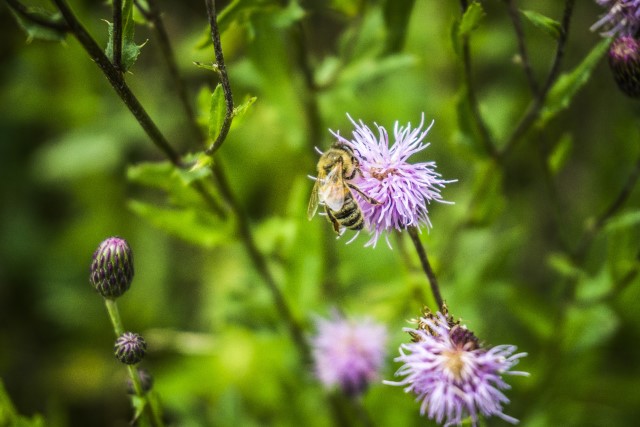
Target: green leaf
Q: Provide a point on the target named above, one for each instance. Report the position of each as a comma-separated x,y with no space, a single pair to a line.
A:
216,112
589,327
194,226
471,19
36,31
396,19
560,153
546,24
151,174
130,50
622,221
241,109
370,68
569,84
562,264
237,10
211,67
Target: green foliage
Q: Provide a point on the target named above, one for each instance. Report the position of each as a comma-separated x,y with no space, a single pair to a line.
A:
213,237
130,50
546,24
37,31
569,84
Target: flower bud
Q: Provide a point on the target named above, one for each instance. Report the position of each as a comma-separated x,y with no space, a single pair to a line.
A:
624,60
130,348
146,379
112,267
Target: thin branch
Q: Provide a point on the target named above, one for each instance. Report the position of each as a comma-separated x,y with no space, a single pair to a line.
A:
224,78
117,34
154,16
608,213
117,82
485,136
532,113
426,266
27,14
522,48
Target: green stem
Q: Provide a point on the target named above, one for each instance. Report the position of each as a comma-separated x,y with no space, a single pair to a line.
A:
114,315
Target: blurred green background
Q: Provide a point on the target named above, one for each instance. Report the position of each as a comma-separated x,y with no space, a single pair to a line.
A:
220,355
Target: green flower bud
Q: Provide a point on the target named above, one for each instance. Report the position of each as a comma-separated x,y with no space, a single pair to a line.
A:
112,267
624,60
130,348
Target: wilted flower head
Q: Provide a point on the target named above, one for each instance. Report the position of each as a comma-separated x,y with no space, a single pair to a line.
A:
348,353
452,374
623,18
402,189
624,60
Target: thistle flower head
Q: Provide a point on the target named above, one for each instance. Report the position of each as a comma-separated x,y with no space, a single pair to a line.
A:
348,353
403,190
624,61
622,18
112,267
452,374
130,348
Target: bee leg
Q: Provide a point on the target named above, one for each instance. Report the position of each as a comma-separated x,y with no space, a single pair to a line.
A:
371,200
334,221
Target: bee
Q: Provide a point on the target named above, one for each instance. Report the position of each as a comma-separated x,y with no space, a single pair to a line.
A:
333,190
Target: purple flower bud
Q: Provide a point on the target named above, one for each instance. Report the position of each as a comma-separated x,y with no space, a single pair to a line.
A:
130,348
624,60
112,267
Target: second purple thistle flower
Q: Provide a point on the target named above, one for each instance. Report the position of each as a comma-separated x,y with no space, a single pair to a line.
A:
403,190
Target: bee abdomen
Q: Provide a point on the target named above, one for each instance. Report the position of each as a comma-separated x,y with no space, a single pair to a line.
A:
350,216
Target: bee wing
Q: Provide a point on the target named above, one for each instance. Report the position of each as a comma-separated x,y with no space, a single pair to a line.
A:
332,190
313,201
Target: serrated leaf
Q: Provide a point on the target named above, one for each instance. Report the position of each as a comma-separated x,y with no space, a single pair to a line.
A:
546,24
569,84
241,109
194,226
211,67
130,50
36,31
471,19
560,153
216,112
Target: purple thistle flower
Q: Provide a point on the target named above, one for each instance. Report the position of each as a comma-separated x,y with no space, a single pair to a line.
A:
623,18
348,353
402,189
452,374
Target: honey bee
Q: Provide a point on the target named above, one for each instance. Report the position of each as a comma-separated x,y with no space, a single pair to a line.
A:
333,190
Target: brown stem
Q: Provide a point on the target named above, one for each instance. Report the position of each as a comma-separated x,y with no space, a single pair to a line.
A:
117,82
224,78
426,266
24,12
117,34
532,113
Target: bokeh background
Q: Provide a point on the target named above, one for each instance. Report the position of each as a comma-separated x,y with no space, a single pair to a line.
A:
70,153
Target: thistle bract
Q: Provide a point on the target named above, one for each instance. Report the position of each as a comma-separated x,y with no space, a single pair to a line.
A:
130,348
112,267
624,60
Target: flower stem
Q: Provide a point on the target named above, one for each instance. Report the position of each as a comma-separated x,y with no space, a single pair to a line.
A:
114,315
422,254
152,411
117,34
